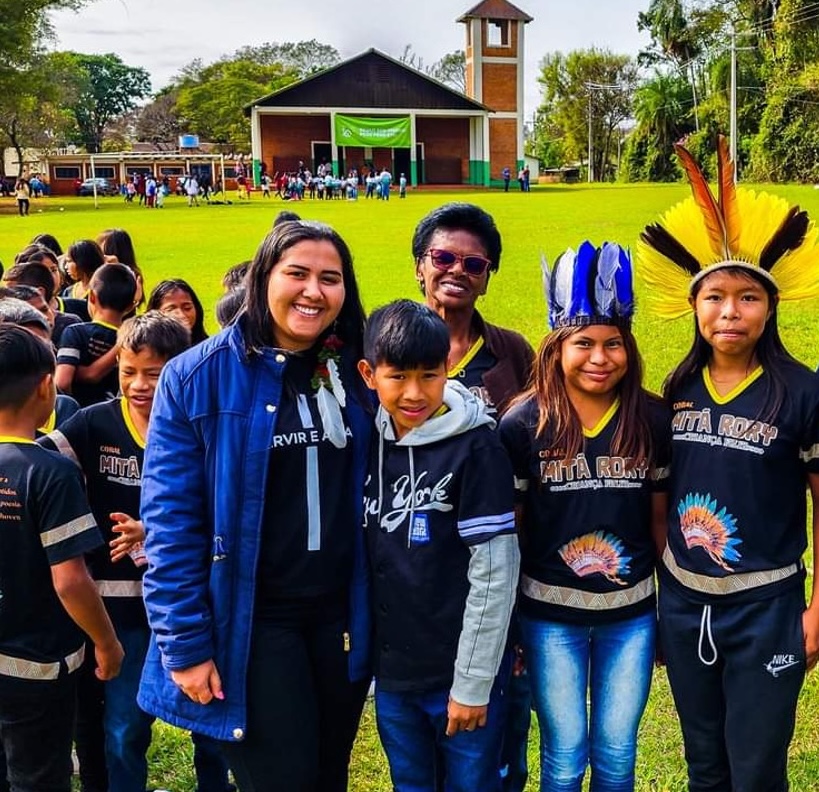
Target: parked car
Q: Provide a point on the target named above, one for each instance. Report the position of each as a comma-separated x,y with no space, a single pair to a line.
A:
104,187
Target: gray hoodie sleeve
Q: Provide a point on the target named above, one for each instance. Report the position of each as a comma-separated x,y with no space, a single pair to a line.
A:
493,581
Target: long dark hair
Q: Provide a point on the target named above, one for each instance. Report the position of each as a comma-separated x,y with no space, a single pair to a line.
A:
164,288
117,242
557,415
770,352
258,328
87,256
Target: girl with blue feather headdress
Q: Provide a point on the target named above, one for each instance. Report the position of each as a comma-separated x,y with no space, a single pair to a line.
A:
589,449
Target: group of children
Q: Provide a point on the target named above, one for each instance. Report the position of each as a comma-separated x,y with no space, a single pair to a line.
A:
588,487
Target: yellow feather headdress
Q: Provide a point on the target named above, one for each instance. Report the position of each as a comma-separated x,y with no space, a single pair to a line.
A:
739,228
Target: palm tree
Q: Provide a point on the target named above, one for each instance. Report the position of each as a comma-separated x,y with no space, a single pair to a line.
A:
673,41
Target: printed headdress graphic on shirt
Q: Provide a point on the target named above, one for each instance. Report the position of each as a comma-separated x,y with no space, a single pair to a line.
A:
591,286
704,525
757,231
597,553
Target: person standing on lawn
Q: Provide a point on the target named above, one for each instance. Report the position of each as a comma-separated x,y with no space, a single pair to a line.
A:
590,456
735,631
256,588
456,248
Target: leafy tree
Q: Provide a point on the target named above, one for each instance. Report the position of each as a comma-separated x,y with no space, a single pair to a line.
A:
31,113
213,105
582,81
302,58
787,146
24,27
672,40
543,140
451,70
662,110
24,30
106,88
158,121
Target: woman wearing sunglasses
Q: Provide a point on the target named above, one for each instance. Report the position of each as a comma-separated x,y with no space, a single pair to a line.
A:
456,247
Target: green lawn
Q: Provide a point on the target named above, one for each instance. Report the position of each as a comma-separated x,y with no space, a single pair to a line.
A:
199,244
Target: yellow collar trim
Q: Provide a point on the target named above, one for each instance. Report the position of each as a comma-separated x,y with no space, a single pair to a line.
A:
77,292
105,324
732,394
60,304
13,439
129,423
467,358
50,424
604,421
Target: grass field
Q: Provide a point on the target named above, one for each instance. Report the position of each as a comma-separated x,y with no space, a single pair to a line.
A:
199,244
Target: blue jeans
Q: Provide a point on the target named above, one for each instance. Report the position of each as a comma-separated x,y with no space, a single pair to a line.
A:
127,727
608,664
412,726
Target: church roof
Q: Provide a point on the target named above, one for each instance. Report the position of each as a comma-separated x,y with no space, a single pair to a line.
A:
496,9
371,79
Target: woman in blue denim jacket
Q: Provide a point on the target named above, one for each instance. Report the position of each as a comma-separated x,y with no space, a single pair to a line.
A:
256,588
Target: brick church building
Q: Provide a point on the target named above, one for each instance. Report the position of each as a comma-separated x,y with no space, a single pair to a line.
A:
373,110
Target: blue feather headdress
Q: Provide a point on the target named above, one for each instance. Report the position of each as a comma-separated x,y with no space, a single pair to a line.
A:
592,286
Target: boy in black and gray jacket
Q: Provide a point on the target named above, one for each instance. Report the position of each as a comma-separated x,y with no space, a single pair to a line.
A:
441,535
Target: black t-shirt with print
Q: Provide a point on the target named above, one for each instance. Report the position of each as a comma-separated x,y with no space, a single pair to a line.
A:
587,521
81,345
102,440
308,533
44,520
738,498
470,374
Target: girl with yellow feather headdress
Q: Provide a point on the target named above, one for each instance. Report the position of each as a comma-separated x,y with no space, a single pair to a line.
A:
735,631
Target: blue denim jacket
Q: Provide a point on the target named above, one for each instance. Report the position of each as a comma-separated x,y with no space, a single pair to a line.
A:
203,489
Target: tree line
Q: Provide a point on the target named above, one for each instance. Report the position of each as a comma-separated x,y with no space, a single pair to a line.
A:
616,115
629,111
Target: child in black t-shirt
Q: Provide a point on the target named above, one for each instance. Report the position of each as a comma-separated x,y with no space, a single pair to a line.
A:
440,530
590,460
736,634
48,598
87,358
107,441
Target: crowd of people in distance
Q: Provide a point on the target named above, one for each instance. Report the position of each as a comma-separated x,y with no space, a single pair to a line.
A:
324,185
238,533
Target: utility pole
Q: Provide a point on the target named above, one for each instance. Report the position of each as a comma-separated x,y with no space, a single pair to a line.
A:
733,122
591,167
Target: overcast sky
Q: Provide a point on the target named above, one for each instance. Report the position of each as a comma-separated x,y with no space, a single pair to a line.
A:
164,35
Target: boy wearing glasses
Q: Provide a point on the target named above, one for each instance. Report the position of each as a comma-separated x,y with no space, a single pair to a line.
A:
440,529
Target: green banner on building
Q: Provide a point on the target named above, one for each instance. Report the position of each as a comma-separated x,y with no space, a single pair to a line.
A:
373,132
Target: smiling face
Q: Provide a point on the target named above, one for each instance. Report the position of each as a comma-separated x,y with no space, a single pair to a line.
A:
594,361
410,396
732,310
138,376
179,305
305,293
452,289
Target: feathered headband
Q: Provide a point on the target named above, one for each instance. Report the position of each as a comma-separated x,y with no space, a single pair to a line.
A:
759,232
592,286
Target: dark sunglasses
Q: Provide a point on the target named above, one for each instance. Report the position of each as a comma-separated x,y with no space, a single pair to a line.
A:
445,259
